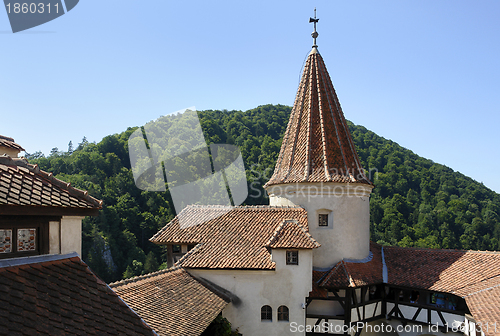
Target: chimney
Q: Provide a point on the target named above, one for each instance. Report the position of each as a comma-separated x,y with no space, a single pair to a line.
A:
9,147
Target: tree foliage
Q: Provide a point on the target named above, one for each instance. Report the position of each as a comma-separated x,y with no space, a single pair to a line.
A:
416,202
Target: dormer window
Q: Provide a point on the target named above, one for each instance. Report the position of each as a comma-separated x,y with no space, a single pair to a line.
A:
323,220
22,238
292,257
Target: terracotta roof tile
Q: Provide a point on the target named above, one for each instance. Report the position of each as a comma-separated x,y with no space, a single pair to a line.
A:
59,295
349,273
317,291
9,143
24,184
483,306
171,301
317,145
236,239
290,234
473,275
450,271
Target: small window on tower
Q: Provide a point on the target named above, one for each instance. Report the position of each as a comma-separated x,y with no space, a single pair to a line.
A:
323,219
292,257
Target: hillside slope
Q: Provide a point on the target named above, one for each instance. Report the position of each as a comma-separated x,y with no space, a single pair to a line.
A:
416,202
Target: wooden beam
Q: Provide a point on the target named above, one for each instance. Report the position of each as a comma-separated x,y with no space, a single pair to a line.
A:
441,317
46,211
416,313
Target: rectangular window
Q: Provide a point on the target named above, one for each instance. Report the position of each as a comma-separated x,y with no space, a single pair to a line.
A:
323,220
5,241
22,236
292,257
176,249
26,239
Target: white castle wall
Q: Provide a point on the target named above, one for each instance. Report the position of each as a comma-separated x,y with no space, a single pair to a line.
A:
348,205
288,285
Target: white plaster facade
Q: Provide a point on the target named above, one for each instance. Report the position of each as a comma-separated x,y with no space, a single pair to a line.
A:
66,236
385,327
13,153
348,206
287,285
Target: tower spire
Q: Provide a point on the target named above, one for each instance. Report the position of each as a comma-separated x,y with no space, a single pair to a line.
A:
314,33
317,145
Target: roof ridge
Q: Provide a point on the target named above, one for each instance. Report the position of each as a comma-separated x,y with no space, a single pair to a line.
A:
143,277
217,290
443,250
309,235
282,226
3,137
36,259
329,274
278,229
189,253
10,143
481,290
35,169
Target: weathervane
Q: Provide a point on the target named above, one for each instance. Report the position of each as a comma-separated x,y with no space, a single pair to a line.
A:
315,33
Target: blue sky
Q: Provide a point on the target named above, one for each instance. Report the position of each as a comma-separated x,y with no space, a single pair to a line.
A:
425,74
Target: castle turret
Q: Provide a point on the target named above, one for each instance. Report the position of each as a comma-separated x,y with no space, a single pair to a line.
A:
318,168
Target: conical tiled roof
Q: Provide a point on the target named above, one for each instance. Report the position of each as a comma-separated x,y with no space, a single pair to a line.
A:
317,146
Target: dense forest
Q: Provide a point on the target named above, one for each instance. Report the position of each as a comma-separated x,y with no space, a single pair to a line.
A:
416,202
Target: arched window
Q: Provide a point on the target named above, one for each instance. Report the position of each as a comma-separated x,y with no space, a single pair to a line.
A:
266,313
283,313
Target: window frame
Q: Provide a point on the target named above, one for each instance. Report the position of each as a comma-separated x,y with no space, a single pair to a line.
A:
267,314
320,221
329,218
25,222
283,313
290,255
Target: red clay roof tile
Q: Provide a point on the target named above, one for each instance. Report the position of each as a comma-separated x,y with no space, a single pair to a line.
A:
9,143
290,234
172,301
236,239
59,295
317,145
24,184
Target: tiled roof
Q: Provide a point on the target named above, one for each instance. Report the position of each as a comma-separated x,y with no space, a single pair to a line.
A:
483,305
171,301
317,145
317,291
59,295
23,184
356,273
9,143
473,275
451,271
234,240
290,234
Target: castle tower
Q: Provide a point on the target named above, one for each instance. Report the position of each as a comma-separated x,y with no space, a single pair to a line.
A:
318,168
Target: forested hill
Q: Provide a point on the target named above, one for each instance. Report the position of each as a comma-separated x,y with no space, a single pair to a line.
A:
416,202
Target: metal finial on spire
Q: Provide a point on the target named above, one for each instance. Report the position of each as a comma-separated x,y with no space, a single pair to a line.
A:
315,33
